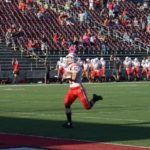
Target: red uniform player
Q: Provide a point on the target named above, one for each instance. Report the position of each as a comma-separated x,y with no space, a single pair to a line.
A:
76,90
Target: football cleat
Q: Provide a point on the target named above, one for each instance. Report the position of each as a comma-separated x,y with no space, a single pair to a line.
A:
67,125
97,97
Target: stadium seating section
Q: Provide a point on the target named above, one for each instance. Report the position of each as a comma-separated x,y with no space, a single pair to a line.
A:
35,28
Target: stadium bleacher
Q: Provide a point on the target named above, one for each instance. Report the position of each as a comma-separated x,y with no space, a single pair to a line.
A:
34,28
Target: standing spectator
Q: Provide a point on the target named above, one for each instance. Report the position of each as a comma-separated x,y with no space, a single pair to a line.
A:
15,66
10,35
44,45
116,68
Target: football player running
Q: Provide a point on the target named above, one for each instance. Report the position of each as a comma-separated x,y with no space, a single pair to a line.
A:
76,90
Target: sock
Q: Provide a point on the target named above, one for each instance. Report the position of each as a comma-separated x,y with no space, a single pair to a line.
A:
91,103
68,114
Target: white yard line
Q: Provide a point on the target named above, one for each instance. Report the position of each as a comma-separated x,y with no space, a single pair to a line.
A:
77,115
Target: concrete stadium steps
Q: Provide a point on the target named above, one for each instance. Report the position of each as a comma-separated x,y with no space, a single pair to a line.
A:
26,63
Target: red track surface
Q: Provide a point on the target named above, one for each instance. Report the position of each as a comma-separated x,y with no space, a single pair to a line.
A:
15,141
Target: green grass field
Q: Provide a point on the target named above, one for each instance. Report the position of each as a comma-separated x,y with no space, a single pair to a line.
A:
122,117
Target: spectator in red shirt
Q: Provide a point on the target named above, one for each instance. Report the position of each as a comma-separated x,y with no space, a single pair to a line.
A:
41,13
30,46
55,38
15,66
22,5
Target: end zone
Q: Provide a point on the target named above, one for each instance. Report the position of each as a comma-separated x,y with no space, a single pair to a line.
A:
23,142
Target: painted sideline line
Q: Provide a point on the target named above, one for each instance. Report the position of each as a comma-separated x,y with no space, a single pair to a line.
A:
88,141
53,84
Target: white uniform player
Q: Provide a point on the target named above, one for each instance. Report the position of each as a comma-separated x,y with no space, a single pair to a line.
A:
136,68
128,67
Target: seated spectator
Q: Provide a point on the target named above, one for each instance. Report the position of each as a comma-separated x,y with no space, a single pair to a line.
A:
126,37
92,40
135,22
101,37
37,48
86,39
86,17
91,4
39,2
81,17
18,33
124,18
30,46
69,20
106,22
55,38
8,1
116,10
62,18
97,5
148,24
29,3
104,50
67,5
41,13
22,5
64,43
145,5
77,3
148,19
72,49
143,23
75,41
111,9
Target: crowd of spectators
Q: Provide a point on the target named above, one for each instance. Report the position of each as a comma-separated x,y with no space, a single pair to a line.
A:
71,25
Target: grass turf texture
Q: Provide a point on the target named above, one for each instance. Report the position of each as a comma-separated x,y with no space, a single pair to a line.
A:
122,117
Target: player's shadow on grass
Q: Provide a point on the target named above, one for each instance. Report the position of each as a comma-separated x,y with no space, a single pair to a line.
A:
82,131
